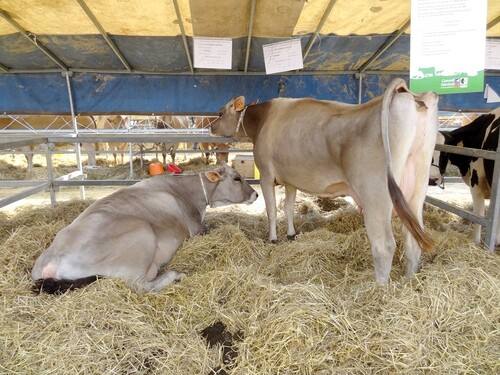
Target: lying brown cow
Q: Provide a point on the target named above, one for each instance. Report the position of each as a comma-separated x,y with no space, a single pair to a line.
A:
132,233
333,149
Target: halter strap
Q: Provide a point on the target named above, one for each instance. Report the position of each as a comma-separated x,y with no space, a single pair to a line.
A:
204,189
240,122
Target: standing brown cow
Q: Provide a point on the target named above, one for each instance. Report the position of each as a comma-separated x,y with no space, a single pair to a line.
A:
171,122
210,147
115,123
332,149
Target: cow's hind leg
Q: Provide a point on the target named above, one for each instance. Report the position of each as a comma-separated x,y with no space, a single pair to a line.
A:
290,194
379,231
29,156
411,247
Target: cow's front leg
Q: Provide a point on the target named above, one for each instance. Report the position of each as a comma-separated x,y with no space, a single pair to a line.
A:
267,185
290,193
478,208
161,281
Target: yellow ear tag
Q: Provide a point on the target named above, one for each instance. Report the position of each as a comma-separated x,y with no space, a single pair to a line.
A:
239,104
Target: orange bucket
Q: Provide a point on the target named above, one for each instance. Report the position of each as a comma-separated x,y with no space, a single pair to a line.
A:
156,168
173,169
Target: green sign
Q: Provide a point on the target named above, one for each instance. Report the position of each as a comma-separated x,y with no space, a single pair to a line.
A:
428,79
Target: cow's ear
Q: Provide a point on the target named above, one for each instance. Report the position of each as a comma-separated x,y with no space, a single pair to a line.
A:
212,176
239,103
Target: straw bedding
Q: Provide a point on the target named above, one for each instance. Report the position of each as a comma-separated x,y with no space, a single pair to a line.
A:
250,307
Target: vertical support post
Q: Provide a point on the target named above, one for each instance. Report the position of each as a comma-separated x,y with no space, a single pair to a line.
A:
130,151
142,154
131,160
48,155
360,84
75,130
494,207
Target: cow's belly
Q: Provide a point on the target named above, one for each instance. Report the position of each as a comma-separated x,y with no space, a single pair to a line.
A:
323,182
478,183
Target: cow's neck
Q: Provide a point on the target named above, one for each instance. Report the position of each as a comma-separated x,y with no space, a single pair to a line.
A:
252,122
190,185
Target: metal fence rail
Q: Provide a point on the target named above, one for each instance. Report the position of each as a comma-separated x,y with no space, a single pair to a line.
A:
33,187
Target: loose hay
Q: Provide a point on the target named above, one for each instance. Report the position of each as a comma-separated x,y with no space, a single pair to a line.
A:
304,307
103,171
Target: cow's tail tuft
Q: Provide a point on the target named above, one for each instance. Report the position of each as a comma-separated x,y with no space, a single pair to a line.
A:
53,286
425,241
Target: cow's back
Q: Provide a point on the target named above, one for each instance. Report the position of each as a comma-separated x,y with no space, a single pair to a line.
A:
310,143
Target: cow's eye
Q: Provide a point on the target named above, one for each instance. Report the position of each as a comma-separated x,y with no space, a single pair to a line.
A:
237,179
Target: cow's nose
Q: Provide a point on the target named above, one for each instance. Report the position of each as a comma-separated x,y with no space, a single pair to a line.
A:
435,181
253,198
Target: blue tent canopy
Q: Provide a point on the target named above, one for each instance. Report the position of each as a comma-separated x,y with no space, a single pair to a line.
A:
134,56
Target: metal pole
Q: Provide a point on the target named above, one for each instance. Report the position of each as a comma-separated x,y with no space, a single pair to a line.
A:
324,18
75,129
130,154
494,207
33,39
360,83
104,34
249,38
387,44
50,172
183,35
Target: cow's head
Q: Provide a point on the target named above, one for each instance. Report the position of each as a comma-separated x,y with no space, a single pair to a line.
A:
229,122
230,187
439,162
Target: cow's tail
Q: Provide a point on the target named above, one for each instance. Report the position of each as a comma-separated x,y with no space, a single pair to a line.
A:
53,286
400,205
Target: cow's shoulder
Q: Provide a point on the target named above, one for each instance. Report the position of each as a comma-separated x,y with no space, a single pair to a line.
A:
473,134
491,138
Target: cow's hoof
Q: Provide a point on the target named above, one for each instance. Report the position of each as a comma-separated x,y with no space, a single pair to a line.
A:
273,241
292,237
178,276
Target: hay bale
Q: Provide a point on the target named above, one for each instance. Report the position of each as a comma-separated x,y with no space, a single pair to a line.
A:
308,306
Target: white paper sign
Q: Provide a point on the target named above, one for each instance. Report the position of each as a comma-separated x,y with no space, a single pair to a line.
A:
447,49
213,53
493,54
491,95
283,56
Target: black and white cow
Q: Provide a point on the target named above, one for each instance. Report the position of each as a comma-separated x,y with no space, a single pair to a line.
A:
477,173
